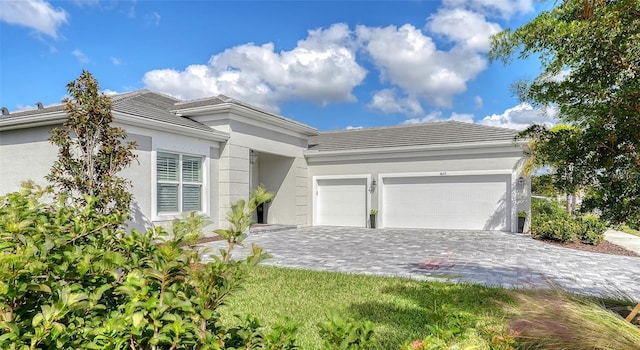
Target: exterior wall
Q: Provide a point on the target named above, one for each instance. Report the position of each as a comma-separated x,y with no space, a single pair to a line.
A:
26,154
510,159
279,164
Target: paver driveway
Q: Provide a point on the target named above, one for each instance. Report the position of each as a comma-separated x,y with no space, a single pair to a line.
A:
492,258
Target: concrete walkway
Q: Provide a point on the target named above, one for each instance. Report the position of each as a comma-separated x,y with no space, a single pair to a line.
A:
623,239
490,258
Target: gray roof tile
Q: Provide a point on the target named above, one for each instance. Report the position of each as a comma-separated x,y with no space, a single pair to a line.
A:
143,103
437,133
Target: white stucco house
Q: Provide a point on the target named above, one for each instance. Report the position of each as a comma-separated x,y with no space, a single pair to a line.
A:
204,154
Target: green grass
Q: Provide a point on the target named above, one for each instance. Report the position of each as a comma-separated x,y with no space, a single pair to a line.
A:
627,229
400,309
403,310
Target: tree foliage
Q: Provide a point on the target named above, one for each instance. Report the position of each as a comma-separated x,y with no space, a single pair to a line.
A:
590,52
91,151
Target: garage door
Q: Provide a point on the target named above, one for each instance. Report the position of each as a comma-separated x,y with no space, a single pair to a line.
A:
451,202
341,202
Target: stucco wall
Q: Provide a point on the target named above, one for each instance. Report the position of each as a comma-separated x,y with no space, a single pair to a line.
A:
510,159
26,154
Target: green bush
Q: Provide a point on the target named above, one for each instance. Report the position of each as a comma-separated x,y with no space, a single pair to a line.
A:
592,229
70,280
551,221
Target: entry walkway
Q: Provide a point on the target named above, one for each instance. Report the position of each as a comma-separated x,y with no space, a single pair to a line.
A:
490,258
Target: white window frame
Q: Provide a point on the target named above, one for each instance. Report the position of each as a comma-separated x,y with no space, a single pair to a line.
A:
180,183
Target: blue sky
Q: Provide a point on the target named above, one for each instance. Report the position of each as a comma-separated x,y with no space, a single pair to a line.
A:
329,64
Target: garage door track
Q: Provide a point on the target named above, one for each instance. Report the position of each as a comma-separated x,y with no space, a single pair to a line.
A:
485,257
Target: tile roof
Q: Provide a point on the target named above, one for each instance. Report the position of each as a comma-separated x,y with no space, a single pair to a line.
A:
153,105
143,103
426,134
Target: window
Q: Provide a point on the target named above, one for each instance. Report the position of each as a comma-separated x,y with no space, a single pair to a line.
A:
179,183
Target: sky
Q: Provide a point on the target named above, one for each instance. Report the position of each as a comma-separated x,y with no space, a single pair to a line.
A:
329,64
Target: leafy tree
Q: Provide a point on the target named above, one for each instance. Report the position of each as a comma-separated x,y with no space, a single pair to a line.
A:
91,151
542,185
559,148
590,52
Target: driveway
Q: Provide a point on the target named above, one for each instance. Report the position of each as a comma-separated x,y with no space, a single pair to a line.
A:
491,258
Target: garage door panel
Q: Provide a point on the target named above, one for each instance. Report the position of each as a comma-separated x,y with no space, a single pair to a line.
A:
341,202
453,202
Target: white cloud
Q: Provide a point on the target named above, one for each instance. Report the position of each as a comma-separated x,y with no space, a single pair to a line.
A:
521,116
80,56
115,61
469,30
386,101
411,61
109,92
501,8
35,14
477,101
436,116
353,127
322,68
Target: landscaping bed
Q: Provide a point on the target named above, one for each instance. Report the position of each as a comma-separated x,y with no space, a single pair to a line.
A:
604,247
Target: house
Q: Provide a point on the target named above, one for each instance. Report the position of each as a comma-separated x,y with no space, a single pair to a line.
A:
204,154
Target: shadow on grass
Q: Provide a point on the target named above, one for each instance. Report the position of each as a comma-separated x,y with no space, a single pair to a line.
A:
442,309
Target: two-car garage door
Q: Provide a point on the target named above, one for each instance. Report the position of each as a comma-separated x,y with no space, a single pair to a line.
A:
446,202
479,202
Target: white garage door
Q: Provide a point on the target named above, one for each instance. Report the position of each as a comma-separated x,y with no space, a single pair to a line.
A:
452,202
341,202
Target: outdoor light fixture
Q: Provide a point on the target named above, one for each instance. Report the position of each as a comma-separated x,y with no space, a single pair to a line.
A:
521,181
372,187
253,156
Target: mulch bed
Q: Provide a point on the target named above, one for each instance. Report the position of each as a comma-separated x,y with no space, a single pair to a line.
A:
605,247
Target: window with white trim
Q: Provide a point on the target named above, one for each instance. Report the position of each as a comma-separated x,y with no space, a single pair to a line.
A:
179,183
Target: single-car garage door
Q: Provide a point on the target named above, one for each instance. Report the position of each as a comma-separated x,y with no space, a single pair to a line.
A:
341,202
479,202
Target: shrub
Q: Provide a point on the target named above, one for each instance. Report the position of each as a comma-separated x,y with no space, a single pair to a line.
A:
70,280
551,221
592,229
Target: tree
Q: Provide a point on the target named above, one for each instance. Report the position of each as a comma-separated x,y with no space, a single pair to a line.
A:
590,53
558,148
91,151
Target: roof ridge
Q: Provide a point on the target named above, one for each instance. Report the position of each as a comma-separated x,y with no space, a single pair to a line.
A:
182,102
408,125
386,127
132,94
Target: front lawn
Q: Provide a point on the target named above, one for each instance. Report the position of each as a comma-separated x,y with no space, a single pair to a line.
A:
401,310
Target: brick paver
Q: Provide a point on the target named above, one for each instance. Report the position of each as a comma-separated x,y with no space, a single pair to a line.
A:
491,258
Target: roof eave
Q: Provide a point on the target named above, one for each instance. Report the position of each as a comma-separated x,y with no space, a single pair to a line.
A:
59,117
35,120
410,151
244,111
133,120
